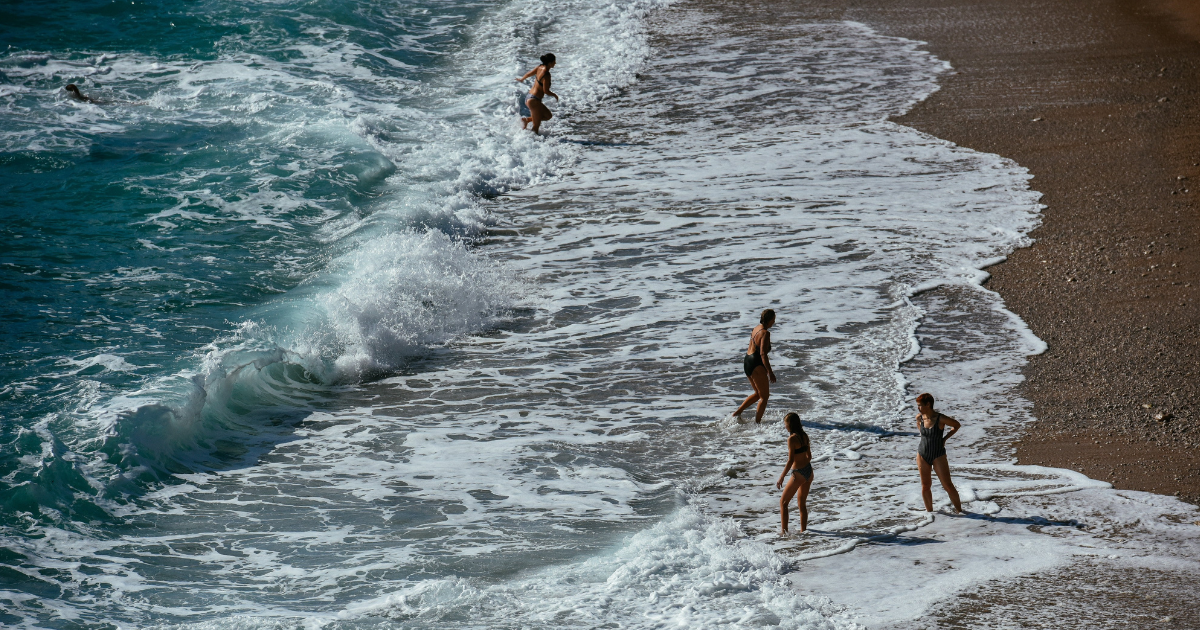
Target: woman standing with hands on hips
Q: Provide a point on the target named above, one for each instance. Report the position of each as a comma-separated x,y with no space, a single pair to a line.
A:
758,367
931,454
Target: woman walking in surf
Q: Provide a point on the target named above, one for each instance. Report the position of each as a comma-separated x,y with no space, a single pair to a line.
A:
931,454
541,88
800,463
758,367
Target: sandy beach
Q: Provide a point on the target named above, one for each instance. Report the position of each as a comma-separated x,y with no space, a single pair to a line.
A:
1098,101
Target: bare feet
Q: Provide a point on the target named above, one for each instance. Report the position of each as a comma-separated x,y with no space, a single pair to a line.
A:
525,123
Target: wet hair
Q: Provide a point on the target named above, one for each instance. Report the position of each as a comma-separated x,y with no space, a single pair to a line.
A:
768,315
925,399
71,87
793,424
547,59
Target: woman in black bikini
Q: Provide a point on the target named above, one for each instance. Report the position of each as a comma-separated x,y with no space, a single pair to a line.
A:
541,87
931,454
758,367
800,463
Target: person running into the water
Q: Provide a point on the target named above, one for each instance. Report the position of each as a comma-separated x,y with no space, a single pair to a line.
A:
758,367
800,463
538,111
931,454
73,92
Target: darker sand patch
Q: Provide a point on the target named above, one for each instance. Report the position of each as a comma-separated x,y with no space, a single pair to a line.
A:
1183,15
1080,595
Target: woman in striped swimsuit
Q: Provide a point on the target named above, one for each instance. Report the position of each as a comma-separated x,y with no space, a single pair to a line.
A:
931,454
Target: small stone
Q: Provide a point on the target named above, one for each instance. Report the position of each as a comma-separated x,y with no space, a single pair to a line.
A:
1164,416
1146,405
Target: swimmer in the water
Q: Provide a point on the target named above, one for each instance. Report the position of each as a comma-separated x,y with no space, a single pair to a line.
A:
541,88
931,454
73,92
800,464
758,367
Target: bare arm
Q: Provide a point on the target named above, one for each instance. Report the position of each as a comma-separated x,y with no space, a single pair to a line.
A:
546,80
527,75
788,465
763,344
953,424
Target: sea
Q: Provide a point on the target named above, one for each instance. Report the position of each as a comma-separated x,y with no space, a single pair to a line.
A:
301,330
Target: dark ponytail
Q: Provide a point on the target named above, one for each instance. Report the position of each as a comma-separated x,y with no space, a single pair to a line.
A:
547,59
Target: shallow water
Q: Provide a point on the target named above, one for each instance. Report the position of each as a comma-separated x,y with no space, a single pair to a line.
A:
316,336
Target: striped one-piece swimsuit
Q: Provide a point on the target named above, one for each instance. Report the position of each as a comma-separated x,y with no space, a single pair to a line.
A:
933,443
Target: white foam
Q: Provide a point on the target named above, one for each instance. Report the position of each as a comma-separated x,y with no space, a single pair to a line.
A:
575,464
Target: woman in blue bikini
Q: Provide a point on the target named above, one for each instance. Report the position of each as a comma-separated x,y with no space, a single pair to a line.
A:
800,464
541,88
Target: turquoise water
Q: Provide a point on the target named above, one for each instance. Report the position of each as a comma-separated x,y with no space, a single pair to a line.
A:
136,233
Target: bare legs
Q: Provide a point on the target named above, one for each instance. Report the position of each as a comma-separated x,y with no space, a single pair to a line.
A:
798,486
942,468
762,391
537,113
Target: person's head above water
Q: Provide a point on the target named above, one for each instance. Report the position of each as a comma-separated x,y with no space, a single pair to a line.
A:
792,422
767,318
925,400
548,59
73,92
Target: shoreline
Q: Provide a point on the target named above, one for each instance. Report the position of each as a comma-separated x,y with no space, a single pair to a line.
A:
1094,99
1111,281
